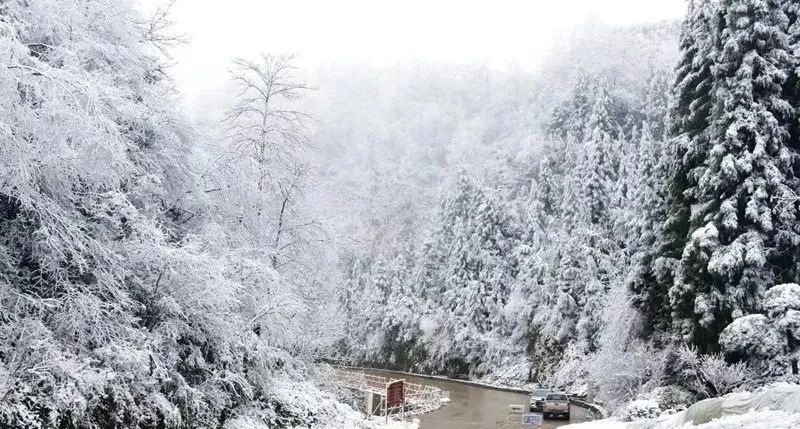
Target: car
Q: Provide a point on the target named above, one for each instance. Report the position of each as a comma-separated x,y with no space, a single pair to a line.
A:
556,404
537,399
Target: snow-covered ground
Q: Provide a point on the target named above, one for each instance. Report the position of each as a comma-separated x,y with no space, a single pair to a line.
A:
773,407
394,424
757,420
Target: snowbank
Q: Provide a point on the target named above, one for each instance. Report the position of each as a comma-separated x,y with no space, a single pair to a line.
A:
599,424
394,424
758,420
776,406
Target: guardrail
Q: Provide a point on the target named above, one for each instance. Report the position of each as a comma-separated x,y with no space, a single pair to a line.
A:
574,399
419,399
594,408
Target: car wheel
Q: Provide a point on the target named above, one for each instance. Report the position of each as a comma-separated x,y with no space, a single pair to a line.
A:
546,415
566,416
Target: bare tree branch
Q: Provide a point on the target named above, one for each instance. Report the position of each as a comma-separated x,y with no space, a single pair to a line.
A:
158,30
264,127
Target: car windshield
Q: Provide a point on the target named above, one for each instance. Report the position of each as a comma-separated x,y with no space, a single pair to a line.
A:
556,397
540,392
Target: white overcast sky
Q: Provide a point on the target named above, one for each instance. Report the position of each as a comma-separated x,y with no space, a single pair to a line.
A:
381,32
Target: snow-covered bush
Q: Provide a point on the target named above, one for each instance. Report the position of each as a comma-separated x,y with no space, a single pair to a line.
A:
638,410
782,304
768,340
750,336
708,375
623,375
781,299
672,397
623,367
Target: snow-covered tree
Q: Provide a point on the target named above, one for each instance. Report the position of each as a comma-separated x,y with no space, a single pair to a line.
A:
768,340
468,273
689,118
128,297
700,45
745,217
269,131
569,119
594,158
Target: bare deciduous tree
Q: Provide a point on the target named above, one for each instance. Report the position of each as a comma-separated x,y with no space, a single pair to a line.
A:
264,127
158,29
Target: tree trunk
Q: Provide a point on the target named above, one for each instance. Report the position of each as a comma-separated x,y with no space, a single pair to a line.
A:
278,233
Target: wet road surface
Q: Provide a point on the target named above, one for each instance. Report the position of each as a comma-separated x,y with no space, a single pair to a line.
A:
474,407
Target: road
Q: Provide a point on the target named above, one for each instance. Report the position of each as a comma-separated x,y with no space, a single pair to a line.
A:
474,407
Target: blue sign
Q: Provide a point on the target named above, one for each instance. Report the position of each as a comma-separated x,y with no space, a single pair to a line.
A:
532,419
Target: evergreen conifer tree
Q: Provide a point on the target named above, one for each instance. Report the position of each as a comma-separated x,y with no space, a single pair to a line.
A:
745,234
689,117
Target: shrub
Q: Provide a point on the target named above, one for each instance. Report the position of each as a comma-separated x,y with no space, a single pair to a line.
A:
709,375
638,410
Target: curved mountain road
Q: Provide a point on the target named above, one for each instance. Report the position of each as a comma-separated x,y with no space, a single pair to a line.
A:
476,407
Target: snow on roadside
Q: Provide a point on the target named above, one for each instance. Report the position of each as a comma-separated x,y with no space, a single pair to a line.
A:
599,424
478,383
774,407
394,424
758,420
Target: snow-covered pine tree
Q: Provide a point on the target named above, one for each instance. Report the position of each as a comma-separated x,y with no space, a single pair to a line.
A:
349,295
650,172
640,212
402,305
792,10
547,187
372,307
566,275
689,117
792,85
655,105
592,175
569,119
699,46
469,273
744,223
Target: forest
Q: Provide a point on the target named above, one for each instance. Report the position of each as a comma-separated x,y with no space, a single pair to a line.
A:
622,222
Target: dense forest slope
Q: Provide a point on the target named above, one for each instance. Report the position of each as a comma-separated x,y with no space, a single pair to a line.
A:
640,229
132,292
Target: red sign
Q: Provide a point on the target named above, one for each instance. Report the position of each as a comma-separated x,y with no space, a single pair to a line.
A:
395,393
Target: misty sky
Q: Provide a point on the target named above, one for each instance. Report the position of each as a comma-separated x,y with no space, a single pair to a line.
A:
498,33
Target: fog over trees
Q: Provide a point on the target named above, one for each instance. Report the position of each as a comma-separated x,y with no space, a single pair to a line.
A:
622,221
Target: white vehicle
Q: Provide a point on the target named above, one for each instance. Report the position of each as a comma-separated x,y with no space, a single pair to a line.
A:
556,404
537,399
